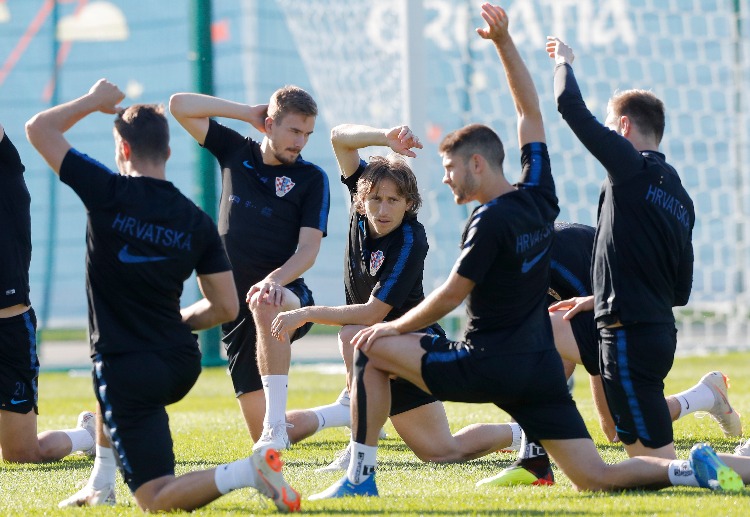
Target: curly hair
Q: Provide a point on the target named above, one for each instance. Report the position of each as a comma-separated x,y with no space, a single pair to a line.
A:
394,168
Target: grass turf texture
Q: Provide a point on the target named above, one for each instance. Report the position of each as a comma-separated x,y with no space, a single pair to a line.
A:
208,430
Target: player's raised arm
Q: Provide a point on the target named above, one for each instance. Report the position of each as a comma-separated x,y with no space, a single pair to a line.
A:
347,139
530,125
192,111
46,130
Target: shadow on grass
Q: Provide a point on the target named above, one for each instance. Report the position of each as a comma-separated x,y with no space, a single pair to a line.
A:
74,463
669,491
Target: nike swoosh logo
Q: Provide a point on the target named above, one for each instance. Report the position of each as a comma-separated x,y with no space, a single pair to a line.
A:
247,164
128,258
528,264
14,401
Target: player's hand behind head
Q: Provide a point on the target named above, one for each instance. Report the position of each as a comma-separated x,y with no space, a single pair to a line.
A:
107,95
401,140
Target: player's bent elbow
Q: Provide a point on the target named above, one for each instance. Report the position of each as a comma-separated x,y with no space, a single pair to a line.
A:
228,310
336,132
32,130
176,103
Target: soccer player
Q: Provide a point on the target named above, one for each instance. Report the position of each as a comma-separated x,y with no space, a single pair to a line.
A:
642,259
273,215
144,239
502,273
384,266
576,336
576,341
19,364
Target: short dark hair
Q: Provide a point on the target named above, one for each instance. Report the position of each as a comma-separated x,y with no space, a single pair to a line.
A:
394,168
146,129
291,99
644,108
474,139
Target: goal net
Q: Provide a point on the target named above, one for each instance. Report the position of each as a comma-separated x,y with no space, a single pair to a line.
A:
689,52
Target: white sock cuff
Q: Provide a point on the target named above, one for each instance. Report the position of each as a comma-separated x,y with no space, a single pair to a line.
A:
231,476
362,463
80,439
275,391
104,472
680,473
698,398
105,455
333,415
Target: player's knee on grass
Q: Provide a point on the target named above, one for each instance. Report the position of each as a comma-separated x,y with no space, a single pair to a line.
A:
305,424
581,463
20,456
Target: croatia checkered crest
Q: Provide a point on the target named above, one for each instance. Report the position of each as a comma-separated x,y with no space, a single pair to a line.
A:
283,185
376,260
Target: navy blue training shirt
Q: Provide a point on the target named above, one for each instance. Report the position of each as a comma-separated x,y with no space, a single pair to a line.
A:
643,251
15,228
570,268
144,238
391,267
506,251
263,206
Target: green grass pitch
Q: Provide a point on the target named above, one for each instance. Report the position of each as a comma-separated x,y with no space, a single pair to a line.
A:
208,430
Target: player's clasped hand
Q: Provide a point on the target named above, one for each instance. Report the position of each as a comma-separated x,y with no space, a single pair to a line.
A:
108,96
265,291
402,140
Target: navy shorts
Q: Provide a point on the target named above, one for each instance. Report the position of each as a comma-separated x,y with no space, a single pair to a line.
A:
587,339
133,390
19,364
531,387
405,396
635,360
240,340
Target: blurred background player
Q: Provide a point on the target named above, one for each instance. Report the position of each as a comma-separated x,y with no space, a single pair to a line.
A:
273,215
144,240
19,364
